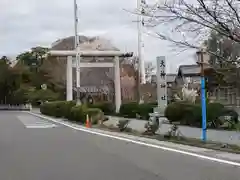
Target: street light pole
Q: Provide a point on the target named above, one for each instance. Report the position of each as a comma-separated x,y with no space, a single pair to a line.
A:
78,55
203,98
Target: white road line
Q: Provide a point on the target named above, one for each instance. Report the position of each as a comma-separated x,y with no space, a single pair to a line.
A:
30,122
41,126
237,164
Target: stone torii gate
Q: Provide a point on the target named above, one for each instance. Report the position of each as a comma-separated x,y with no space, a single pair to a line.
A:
89,53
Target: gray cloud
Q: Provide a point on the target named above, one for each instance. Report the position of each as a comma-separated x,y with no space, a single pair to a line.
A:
28,23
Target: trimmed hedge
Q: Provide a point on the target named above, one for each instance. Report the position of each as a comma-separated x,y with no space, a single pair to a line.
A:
52,108
191,114
177,110
130,110
183,112
77,114
107,108
66,109
70,111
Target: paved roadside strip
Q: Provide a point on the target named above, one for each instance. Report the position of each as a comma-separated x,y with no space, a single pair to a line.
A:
206,154
221,136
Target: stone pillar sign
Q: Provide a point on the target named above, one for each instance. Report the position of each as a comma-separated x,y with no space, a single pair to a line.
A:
161,85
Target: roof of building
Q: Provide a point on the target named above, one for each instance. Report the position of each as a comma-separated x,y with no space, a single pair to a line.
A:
94,89
193,69
189,69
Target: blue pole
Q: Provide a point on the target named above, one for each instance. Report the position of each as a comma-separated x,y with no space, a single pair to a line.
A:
204,113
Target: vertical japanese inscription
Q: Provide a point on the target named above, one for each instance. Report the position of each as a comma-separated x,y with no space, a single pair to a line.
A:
161,82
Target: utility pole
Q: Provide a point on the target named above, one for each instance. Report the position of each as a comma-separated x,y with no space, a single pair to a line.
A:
140,22
78,55
141,68
203,99
201,55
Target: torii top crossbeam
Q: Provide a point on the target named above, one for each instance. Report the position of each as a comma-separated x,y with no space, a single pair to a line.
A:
90,53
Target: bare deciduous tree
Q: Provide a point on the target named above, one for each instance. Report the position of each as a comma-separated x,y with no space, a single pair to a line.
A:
149,70
227,66
194,20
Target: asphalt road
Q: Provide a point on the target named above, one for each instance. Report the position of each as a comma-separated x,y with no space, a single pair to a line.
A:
33,149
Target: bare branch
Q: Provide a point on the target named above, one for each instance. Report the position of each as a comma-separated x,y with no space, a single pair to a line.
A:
199,16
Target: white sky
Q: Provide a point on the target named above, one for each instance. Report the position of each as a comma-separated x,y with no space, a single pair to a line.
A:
28,23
